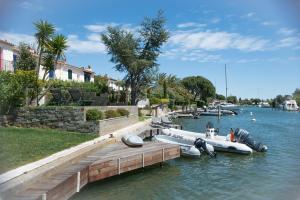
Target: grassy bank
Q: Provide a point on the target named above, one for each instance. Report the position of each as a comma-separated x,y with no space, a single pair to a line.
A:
19,146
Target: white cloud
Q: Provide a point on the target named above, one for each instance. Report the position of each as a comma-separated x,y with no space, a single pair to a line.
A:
215,20
190,25
16,38
99,28
31,5
286,31
208,40
269,23
250,14
91,45
289,42
192,55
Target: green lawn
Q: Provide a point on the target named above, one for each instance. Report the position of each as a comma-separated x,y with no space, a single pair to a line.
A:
19,146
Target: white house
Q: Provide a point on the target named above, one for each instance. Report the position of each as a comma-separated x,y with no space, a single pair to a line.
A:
114,84
8,56
64,71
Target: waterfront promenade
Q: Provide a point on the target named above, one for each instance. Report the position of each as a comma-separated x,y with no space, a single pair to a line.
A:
61,175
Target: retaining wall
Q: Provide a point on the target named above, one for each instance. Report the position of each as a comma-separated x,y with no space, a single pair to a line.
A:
69,118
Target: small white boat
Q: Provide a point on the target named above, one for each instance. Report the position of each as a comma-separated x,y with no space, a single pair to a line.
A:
290,105
229,106
187,147
220,143
132,140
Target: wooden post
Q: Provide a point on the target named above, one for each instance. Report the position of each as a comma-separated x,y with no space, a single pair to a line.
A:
143,160
44,196
119,166
78,182
151,133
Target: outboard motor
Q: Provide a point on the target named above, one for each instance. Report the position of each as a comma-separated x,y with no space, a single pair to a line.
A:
243,136
201,145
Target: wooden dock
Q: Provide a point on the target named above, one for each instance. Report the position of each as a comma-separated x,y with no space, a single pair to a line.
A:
63,182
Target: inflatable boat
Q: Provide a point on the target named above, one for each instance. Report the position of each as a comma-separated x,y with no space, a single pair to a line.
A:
188,146
132,140
220,143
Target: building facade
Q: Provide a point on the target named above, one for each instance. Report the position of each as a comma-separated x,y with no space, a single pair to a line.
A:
9,54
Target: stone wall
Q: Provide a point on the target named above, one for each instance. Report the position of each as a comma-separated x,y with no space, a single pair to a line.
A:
69,118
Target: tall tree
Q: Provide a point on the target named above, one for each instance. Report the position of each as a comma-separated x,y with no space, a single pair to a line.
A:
43,35
136,56
58,46
26,60
199,86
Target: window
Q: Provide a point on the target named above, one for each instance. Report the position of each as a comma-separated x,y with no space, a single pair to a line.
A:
69,74
51,74
87,77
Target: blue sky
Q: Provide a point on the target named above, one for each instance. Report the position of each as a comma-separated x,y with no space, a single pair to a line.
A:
258,40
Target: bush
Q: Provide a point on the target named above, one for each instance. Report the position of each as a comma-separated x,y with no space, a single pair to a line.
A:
154,100
14,88
93,115
140,112
200,103
111,114
123,112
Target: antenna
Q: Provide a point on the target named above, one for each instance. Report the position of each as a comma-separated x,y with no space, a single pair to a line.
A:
226,82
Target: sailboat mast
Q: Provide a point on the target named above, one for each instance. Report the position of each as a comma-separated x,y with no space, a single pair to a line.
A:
226,82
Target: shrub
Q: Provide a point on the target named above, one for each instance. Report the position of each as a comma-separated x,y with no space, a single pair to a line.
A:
14,88
200,103
164,101
111,114
123,112
93,115
154,100
140,112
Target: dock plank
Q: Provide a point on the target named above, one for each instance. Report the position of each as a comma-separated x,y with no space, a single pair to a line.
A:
105,162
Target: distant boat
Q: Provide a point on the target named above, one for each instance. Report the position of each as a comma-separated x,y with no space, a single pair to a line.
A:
264,105
229,106
290,105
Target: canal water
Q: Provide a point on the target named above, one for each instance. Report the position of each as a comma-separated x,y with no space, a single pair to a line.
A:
273,175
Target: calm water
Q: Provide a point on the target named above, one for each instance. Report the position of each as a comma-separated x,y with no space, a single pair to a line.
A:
272,175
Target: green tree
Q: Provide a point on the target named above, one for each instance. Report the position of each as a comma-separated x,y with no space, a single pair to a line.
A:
296,96
14,88
43,35
232,99
199,87
279,99
136,56
58,46
26,60
220,97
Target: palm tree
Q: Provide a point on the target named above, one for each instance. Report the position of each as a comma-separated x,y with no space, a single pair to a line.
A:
44,32
43,35
58,46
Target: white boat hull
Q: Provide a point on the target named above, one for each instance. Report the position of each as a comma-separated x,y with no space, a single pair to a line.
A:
220,143
132,140
187,147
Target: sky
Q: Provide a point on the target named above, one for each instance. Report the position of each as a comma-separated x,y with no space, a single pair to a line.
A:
259,41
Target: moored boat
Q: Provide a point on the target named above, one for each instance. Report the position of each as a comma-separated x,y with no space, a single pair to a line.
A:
132,140
220,143
188,146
